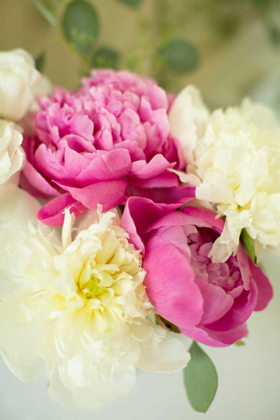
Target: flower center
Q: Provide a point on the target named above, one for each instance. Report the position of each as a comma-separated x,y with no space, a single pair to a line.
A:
225,275
93,289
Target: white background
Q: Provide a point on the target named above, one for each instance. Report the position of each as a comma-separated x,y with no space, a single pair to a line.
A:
249,382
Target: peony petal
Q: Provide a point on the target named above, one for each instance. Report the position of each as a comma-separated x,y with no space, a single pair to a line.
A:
170,355
80,384
265,290
216,302
52,213
16,333
179,301
239,313
111,166
207,215
173,197
214,338
35,183
188,118
108,193
133,221
18,209
156,166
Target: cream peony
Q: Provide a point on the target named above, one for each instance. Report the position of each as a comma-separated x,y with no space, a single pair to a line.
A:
18,81
235,161
76,310
11,154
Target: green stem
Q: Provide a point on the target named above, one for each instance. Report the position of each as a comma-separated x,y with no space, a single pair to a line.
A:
162,29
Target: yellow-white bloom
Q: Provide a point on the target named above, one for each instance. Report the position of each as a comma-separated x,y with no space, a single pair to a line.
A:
18,81
235,161
76,309
11,154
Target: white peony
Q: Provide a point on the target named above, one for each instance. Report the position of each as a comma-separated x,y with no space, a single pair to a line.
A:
11,154
18,82
235,163
76,310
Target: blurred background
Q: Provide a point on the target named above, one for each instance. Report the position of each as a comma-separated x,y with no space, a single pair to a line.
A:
229,49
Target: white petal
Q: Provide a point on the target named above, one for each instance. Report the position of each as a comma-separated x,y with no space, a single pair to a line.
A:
19,339
18,209
81,385
188,118
166,354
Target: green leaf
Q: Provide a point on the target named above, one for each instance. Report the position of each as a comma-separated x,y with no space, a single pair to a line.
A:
181,56
46,10
40,62
201,379
106,57
248,245
80,25
132,3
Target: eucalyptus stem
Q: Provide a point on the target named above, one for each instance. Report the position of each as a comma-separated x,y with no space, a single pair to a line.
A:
162,31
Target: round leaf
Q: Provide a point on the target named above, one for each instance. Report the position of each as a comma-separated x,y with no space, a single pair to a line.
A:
132,3
106,57
248,245
80,25
180,55
201,379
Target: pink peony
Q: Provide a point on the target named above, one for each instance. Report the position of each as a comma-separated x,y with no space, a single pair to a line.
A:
209,302
100,144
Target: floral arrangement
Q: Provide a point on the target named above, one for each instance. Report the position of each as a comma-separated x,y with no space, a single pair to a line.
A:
130,219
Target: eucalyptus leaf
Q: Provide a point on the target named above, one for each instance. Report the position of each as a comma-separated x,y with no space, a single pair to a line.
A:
180,56
40,62
132,3
248,245
201,379
106,57
45,8
80,25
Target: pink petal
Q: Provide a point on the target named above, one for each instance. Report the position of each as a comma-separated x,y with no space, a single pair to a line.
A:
216,339
108,193
206,215
52,213
164,180
265,291
170,284
177,218
239,313
110,166
139,214
34,183
175,197
156,166
216,302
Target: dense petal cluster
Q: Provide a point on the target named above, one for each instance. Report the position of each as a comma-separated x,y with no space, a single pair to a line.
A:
209,302
77,310
100,144
235,158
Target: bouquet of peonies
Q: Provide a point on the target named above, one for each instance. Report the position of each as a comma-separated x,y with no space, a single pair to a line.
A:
128,216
